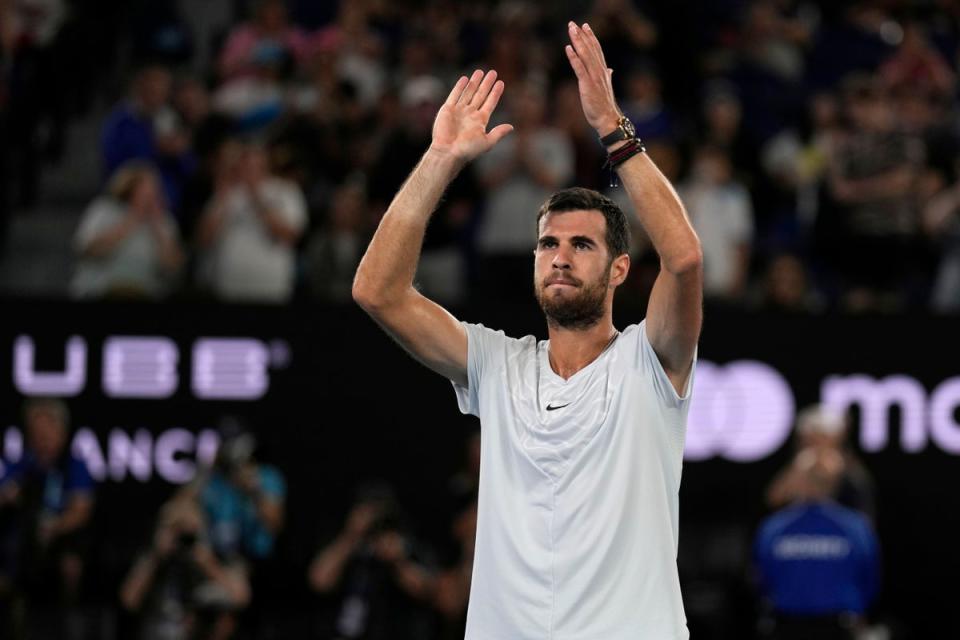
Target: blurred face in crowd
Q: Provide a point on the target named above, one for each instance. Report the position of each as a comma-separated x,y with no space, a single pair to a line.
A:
192,100
255,164
147,194
272,15
573,269
529,108
643,86
346,213
823,111
722,114
868,111
711,166
152,88
787,282
46,434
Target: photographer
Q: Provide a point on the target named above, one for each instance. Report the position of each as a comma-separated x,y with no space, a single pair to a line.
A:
178,586
242,500
375,574
46,500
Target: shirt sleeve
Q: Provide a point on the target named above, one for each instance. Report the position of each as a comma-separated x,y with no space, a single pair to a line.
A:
99,216
648,362
79,480
482,346
272,484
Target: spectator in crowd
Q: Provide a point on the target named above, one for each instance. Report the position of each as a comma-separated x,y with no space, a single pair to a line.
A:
817,562
242,499
46,501
127,243
375,574
268,35
178,588
644,104
917,67
518,175
249,231
334,251
820,429
872,181
722,215
941,221
786,286
145,127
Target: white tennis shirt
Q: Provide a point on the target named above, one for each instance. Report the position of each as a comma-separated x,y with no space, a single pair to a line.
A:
578,505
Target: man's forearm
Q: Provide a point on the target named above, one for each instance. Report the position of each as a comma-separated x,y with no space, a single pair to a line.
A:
388,267
661,213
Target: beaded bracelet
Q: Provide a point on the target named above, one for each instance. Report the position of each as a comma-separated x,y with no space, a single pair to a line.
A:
621,155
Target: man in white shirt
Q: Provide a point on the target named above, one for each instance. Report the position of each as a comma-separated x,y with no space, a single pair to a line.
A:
582,433
249,232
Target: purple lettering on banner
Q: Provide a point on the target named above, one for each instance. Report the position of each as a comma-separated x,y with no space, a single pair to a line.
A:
875,398
230,368
140,367
12,445
86,447
170,466
944,429
742,411
30,382
129,455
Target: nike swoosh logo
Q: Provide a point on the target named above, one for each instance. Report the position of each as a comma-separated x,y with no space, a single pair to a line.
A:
559,406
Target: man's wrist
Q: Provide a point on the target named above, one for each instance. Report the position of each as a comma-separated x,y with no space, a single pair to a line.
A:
444,160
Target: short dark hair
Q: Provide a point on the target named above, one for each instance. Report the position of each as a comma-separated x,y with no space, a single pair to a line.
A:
580,199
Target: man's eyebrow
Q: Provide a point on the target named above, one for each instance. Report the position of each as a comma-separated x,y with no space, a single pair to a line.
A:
543,239
584,239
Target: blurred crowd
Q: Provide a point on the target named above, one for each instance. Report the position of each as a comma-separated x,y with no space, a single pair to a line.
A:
206,566
258,142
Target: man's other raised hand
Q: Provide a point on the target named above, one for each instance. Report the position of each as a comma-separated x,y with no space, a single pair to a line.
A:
593,79
461,125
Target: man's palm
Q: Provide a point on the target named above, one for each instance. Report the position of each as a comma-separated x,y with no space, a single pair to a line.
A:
461,125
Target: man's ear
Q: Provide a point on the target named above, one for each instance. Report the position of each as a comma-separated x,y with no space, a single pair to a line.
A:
619,269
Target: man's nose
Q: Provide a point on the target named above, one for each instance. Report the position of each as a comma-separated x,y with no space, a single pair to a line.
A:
561,259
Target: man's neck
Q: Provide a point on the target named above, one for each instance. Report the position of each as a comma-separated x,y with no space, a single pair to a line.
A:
573,349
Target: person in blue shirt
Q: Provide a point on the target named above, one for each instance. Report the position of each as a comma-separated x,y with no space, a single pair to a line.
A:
46,501
145,127
243,501
817,561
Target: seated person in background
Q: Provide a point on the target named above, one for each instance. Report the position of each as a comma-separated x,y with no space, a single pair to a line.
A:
127,242
46,500
249,232
376,572
817,562
821,429
178,586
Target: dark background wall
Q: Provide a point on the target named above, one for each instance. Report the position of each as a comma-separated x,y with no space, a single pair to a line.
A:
344,405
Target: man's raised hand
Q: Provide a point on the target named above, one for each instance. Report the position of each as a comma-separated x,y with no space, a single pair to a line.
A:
593,79
461,125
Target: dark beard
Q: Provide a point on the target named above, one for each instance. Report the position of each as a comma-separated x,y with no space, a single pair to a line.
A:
574,313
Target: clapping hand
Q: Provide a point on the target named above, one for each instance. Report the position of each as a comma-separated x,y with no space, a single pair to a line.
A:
593,79
461,125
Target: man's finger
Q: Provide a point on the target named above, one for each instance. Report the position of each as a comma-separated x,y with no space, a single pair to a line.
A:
594,43
581,49
481,95
456,91
471,87
498,132
493,98
576,63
